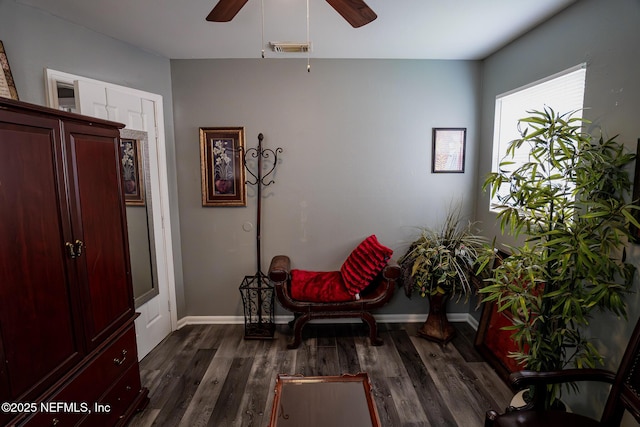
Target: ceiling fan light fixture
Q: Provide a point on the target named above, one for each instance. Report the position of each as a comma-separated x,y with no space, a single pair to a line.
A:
290,47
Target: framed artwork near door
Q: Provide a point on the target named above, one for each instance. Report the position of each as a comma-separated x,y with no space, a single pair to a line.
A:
131,159
7,86
222,167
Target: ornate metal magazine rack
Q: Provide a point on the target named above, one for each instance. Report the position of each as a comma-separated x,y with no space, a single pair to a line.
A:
257,291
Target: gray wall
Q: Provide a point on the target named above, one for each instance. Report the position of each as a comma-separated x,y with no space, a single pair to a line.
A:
356,136
35,40
606,35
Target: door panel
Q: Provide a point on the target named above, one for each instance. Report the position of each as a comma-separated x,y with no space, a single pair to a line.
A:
154,323
125,108
97,162
34,211
94,101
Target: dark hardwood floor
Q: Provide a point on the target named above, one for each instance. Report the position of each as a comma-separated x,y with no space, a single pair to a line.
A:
208,375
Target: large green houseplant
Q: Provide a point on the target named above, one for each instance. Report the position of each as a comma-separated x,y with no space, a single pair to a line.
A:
439,265
569,203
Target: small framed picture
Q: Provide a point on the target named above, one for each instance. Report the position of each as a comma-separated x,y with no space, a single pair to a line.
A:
7,86
132,174
448,150
222,168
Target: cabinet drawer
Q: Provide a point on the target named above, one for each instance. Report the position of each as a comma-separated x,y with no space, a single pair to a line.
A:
110,364
59,416
117,401
91,383
106,411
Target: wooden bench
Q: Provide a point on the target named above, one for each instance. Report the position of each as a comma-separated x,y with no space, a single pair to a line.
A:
377,294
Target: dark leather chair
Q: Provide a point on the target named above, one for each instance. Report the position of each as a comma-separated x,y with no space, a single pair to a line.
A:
377,294
624,394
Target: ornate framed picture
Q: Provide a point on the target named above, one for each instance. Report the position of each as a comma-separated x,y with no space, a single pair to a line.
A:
222,167
7,86
448,150
132,175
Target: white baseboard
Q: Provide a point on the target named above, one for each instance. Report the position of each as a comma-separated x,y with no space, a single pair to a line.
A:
473,322
283,319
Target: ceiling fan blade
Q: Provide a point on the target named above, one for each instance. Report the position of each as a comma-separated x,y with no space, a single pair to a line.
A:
356,12
225,10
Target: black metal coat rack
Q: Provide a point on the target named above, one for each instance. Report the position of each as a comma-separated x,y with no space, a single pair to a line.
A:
257,291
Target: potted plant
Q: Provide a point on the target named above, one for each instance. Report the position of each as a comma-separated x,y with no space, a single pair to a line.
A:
569,203
439,265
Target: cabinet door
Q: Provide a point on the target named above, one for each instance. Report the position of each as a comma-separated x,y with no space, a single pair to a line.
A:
39,340
99,222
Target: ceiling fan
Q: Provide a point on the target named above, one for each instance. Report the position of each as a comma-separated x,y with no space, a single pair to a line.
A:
356,12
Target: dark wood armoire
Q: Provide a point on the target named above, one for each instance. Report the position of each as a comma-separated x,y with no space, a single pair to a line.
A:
66,301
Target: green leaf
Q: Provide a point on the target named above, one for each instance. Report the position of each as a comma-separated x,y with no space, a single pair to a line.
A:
569,200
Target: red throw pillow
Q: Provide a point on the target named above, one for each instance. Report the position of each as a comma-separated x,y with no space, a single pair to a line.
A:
315,286
364,264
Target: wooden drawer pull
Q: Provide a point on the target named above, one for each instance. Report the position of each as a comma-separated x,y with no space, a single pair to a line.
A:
119,362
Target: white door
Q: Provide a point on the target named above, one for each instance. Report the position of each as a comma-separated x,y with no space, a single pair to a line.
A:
140,111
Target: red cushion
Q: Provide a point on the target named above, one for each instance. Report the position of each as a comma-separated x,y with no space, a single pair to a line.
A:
364,264
318,286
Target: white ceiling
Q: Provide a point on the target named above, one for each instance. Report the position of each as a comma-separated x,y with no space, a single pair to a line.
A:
420,29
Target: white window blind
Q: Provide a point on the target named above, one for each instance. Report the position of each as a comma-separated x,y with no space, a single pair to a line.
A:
563,92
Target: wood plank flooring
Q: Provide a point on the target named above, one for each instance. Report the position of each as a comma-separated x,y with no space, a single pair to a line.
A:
208,375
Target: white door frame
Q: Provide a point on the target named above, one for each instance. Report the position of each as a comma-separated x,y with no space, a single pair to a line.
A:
161,215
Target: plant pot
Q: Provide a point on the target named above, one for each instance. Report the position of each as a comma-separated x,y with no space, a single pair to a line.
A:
437,327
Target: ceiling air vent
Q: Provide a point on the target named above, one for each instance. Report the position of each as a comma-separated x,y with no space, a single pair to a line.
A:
290,47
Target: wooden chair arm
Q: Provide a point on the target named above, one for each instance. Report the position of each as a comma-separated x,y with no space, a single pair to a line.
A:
392,270
522,379
280,268
280,274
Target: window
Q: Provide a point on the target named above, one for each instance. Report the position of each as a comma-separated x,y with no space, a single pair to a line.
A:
563,92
